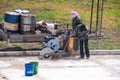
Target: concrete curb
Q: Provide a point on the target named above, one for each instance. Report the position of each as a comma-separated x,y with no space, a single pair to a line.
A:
105,52
19,53
36,53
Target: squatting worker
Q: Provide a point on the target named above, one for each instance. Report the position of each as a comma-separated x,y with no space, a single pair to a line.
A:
81,32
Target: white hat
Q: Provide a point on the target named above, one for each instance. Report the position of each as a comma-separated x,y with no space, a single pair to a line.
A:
73,14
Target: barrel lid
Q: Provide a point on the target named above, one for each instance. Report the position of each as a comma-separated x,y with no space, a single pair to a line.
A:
27,15
23,11
12,13
18,10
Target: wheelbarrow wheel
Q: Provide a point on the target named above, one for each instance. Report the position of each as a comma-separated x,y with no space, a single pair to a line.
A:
46,56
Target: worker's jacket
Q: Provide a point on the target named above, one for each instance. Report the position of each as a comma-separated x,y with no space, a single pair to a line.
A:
81,32
75,22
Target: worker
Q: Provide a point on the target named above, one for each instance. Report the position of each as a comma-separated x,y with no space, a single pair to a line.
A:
81,32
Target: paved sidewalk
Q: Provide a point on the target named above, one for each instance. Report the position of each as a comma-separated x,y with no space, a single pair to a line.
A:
98,67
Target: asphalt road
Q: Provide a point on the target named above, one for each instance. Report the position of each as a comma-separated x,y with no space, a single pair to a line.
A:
98,67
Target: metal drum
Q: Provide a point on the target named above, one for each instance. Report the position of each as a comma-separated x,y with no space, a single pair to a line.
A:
27,23
11,22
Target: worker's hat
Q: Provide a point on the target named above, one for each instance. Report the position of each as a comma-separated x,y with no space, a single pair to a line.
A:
73,14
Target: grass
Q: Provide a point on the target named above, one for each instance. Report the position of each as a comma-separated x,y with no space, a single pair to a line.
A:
45,16
102,44
1,44
60,9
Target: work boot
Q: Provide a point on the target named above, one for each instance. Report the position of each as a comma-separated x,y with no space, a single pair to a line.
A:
81,58
87,57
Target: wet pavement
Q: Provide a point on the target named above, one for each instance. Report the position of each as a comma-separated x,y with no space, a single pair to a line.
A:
98,67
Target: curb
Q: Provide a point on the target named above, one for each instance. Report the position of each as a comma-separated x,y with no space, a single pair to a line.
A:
105,52
36,53
19,53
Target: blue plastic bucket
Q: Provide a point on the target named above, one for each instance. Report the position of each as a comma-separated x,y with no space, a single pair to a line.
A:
29,69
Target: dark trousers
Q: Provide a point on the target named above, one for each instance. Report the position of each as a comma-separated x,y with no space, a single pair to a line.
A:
84,45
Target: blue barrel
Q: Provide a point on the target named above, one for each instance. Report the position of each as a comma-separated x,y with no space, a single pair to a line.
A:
12,17
29,69
11,22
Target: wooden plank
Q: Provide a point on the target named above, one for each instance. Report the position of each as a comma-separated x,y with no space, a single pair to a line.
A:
26,38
